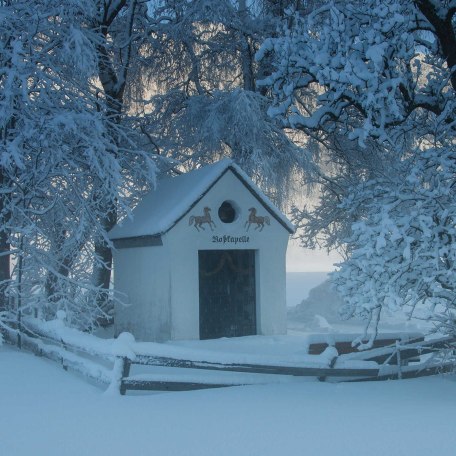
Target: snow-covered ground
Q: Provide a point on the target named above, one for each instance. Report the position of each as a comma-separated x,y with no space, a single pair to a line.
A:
45,411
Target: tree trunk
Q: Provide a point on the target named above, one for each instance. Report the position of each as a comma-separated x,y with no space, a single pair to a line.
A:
246,51
445,31
54,285
5,268
102,268
113,83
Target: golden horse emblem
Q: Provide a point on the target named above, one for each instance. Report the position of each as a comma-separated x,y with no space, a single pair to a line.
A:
256,219
199,220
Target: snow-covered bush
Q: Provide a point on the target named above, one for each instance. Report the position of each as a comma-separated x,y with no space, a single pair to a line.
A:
404,246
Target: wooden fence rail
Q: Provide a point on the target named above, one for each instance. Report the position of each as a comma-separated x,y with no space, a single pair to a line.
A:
127,383
393,361
65,355
346,346
408,351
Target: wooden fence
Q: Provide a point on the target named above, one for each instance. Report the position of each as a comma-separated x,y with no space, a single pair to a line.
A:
390,359
94,365
394,360
143,383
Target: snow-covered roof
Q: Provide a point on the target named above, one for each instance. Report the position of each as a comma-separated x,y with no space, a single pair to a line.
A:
174,197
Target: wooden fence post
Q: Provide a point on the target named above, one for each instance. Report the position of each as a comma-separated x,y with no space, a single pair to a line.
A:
19,328
399,363
126,363
120,370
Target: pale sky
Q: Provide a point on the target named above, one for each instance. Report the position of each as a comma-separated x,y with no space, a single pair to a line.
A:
304,260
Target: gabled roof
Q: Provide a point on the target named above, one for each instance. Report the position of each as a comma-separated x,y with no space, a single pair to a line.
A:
174,197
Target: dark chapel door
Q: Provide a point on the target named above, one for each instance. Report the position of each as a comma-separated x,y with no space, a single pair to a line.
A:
227,293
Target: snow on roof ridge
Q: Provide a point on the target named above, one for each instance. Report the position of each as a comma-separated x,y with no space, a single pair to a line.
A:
173,197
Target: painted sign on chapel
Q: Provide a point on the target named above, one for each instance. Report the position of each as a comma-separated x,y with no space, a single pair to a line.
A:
227,214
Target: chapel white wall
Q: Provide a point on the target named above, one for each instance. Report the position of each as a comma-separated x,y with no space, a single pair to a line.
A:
142,283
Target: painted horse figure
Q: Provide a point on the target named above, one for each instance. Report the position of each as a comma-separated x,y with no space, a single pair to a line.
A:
259,220
198,220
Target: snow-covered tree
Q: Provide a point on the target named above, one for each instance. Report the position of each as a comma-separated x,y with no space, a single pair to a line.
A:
35,112
66,154
206,102
374,83
369,67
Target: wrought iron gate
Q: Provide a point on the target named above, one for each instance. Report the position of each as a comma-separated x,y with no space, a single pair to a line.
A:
227,299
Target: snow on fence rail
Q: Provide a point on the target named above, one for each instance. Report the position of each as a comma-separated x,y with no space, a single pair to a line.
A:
344,346
109,361
395,359
416,358
151,382
80,352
